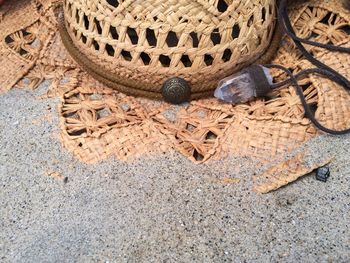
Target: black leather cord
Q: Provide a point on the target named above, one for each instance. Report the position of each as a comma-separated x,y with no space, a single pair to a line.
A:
321,69
305,72
288,28
308,112
283,14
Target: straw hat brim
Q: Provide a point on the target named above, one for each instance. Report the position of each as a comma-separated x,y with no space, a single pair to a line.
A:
97,122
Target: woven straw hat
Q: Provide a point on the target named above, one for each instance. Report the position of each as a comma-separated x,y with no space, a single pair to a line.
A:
136,46
97,122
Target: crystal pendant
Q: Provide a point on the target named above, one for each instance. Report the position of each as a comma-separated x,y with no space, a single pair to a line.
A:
243,86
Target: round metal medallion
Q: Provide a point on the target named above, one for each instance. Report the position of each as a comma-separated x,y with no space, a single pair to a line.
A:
176,90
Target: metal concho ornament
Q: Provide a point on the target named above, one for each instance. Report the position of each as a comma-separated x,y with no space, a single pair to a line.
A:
176,90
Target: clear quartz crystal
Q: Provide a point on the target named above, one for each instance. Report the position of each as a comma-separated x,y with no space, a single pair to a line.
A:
238,88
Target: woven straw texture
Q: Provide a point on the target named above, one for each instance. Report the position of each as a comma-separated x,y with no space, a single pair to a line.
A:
97,122
143,43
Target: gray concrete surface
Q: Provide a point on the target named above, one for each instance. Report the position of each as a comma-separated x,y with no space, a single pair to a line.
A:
159,209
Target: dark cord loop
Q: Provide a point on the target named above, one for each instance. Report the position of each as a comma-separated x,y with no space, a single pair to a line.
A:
308,112
321,69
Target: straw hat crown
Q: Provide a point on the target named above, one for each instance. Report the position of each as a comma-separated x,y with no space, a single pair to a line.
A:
150,41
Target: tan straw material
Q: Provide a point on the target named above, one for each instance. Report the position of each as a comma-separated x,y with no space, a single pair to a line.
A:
135,46
97,122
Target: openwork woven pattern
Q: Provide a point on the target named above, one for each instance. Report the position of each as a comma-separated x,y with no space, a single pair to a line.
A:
97,122
148,42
